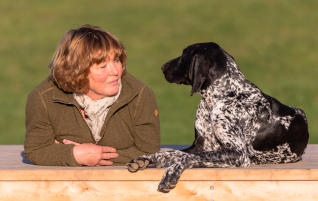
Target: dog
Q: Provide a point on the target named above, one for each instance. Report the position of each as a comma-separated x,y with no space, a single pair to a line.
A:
236,124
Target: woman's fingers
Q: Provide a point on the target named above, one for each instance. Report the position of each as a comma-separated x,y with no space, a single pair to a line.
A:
105,162
106,149
66,141
91,154
109,155
57,142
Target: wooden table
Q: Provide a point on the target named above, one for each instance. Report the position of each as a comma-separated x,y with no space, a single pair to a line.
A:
21,180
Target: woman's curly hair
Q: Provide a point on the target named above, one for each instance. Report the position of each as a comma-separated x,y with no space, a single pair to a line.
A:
77,51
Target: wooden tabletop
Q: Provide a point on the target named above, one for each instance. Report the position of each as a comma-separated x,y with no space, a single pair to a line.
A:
15,167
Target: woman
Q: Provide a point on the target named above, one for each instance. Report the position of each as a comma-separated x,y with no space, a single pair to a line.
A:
90,111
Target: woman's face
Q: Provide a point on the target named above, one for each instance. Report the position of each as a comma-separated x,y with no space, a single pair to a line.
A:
104,78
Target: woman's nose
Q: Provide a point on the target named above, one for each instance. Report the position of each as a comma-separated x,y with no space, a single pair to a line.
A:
113,69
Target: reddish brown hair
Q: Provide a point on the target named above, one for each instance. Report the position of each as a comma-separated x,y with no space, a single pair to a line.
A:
77,51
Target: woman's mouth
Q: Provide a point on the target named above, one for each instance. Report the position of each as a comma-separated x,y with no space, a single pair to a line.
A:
115,82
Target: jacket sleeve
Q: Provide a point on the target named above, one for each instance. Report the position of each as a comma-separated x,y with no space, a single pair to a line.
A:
147,128
39,145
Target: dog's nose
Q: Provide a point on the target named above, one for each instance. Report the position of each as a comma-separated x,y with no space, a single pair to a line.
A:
162,67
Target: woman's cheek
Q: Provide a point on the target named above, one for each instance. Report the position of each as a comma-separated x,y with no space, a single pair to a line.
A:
102,77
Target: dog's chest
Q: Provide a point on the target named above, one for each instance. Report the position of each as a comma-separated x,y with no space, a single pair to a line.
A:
204,127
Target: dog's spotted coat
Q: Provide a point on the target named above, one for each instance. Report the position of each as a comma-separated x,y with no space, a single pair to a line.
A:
236,124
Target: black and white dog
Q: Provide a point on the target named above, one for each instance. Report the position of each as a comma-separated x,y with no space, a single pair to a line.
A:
236,124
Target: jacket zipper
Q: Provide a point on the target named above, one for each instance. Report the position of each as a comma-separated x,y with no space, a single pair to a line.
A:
80,111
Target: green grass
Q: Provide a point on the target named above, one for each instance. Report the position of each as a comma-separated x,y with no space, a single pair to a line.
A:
274,42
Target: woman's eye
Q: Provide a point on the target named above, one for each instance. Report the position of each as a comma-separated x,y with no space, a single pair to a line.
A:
103,66
117,60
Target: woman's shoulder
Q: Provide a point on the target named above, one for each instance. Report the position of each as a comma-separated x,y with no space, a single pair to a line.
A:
46,85
135,83
140,88
45,88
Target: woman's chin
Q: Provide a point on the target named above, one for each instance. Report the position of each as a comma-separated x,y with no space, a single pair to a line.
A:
113,91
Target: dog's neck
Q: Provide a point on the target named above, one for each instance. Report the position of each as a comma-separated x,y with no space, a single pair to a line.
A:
231,84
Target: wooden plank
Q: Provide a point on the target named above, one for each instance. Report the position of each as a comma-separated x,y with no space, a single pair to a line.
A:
147,190
21,180
14,167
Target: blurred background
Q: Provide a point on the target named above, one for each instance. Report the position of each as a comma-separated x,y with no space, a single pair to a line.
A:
274,42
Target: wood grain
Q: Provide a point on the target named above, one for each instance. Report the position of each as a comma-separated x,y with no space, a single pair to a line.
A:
147,190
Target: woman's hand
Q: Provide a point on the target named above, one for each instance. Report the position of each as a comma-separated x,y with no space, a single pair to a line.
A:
92,155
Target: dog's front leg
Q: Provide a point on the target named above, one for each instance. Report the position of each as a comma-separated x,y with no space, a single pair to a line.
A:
172,174
158,160
216,159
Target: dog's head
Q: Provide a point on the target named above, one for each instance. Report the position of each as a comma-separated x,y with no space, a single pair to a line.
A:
199,65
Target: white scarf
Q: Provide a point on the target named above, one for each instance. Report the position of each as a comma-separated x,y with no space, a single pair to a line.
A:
96,111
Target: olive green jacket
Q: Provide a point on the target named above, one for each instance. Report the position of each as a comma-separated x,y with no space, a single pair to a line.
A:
131,125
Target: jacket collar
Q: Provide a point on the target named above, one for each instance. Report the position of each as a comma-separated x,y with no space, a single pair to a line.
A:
62,97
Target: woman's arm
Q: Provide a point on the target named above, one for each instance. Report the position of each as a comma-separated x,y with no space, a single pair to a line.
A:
39,146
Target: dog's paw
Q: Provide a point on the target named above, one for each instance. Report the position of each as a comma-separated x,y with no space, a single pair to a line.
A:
169,179
166,187
139,163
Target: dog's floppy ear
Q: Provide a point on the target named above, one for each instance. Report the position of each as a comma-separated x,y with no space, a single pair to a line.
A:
198,72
